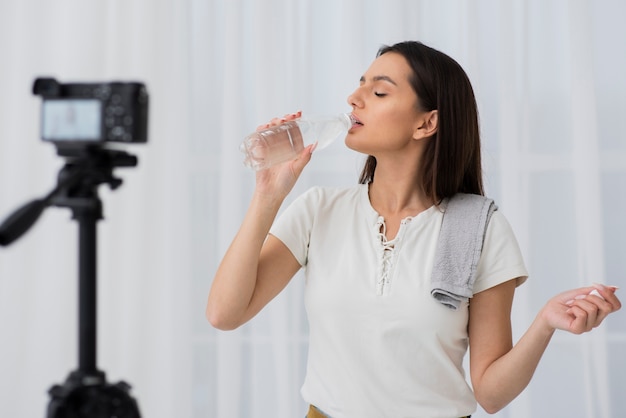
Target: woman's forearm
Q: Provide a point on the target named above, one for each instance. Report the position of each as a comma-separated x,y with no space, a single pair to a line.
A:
508,376
235,279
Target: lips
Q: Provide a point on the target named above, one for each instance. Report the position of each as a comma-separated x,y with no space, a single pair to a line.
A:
355,120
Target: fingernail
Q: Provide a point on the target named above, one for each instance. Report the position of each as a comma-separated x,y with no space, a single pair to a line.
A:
603,286
579,297
313,148
569,302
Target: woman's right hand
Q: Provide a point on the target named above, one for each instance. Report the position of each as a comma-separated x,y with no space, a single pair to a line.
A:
277,181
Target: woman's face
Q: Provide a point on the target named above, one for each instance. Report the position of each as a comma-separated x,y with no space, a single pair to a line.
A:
385,106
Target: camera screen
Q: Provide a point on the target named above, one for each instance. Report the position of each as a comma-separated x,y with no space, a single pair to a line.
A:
71,120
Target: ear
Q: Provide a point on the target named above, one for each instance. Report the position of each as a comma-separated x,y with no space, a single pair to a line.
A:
427,125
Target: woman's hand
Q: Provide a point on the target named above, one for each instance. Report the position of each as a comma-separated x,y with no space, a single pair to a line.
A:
278,180
581,310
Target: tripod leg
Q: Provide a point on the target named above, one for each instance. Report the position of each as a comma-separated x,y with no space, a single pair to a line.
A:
87,293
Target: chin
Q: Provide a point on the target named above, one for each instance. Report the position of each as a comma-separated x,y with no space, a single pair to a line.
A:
352,144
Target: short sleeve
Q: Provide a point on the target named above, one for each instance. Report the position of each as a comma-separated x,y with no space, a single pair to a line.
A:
501,258
293,226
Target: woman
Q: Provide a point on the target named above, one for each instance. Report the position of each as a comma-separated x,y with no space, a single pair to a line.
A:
380,344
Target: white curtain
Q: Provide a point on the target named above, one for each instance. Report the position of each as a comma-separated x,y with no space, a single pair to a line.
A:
549,78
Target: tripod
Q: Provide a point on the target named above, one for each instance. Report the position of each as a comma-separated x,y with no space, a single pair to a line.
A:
85,393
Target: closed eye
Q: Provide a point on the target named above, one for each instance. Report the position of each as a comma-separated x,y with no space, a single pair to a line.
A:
380,94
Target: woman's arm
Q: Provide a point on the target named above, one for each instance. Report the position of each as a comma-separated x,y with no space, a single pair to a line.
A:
256,267
501,371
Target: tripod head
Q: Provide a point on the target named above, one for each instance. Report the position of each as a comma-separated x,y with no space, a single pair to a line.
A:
87,167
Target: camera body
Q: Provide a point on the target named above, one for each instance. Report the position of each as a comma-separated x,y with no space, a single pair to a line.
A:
76,114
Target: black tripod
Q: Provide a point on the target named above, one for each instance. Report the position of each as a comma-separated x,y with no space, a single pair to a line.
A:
85,393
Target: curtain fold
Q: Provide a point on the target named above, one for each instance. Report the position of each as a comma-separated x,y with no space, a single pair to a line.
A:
549,82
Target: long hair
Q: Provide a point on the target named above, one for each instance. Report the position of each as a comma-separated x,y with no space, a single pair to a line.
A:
451,162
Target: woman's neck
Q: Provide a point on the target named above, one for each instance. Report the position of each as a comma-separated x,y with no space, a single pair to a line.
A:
397,195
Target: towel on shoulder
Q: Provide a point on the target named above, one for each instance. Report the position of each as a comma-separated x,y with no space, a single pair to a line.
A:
459,246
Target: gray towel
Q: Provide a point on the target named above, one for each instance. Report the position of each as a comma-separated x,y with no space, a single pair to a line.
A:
459,247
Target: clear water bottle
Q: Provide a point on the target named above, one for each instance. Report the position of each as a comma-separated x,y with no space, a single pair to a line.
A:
284,142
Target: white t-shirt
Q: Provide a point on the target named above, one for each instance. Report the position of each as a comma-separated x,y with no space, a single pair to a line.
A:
380,345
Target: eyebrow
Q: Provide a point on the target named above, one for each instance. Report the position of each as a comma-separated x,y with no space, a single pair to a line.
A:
379,78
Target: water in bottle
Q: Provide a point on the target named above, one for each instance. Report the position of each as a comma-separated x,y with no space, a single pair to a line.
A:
284,142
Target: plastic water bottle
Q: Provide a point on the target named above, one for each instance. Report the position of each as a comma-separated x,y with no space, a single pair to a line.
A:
284,142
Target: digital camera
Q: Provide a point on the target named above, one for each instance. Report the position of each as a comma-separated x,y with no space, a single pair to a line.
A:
92,113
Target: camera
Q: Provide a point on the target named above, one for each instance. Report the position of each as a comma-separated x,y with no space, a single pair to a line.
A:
76,114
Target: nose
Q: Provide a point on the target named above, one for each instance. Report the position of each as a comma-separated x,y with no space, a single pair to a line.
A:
354,99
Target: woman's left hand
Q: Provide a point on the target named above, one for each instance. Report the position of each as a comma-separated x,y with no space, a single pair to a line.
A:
581,310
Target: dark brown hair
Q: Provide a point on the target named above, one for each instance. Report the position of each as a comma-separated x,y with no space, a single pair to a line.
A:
451,162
